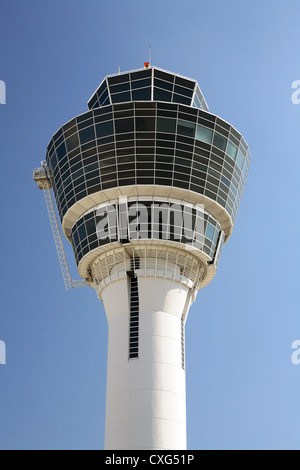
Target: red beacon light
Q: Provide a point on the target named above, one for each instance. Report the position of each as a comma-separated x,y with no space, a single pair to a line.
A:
146,65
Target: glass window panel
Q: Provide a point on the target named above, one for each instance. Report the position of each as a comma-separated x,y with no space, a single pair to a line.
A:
92,102
61,151
222,131
87,123
90,226
223,124
54,161
124,125
106,102
164,76
243,172
141,74
183,91
141,83
231,150
145,124
83,117
219,141
103,114
204,134
102,88
86,135
181,99
76,238
206,123
118,79
207,116
162,84
240,160
196,102
166,125
162,95
209,231
185,83
104,128
233,189
119,87
82,232
186,128
143,94
69,127
225,181
198,93
121,97
103,97
72,142
244,146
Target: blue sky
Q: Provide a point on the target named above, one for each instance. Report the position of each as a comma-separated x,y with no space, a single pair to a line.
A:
242,388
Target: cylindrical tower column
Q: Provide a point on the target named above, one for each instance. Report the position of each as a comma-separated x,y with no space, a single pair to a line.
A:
146,402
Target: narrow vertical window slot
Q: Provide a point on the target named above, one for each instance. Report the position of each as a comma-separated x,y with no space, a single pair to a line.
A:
182,344
134,319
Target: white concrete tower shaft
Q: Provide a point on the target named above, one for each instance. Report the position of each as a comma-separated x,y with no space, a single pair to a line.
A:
146,395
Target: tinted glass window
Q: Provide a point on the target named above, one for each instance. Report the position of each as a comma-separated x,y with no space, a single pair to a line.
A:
90,226
124,125
120,87
87,135
145,124
240,160
225,181
61,151
104,128
72,142
183,91
186,128
82,232
181,99
164,76
104,96
166,125
163,84
53,161
141,83
185,83
106,102
219,141
121,97
141,74
209,231
102,88
204,134
143,94
118,79
162,95
231,150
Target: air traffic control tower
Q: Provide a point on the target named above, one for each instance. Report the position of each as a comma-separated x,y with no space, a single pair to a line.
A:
147,185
